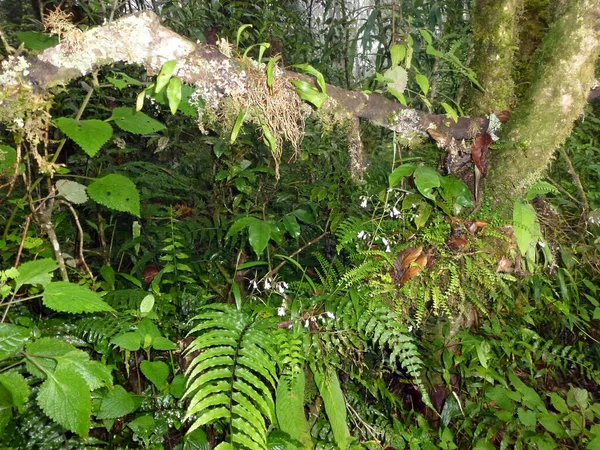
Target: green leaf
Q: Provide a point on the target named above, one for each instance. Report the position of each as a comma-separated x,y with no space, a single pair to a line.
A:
17,386
239,225
270,70
259,233
68,297
37,272
37,41
456,193
146,305
450,111
6,407
291,226
423,83
304,215
165,75
65,398
90,135
527,418
8,159
424,210
72,191
95,374
118,403
131,341
551,423
237,125
314,72
397,52
524,222
116,192
135,122
400,172
12,339
309,93
163,344
240,31
559,403
335,406
155,371
43,351
174,94
426,179
289,406
426,36
177,387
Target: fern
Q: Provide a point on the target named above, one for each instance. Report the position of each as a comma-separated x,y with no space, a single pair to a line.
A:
348,231
232,375
95,329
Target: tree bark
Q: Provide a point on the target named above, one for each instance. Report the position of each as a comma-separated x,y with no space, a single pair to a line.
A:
562,79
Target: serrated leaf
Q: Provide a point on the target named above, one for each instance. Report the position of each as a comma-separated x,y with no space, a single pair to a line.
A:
90,135
65,398
43,351
68,297
131,341
524,221
174,94
118,403
95,374
116,192
71,190
399,78
155,371
335,406
289,406
12,339
17,386
259,233
35,273
400,172
135,122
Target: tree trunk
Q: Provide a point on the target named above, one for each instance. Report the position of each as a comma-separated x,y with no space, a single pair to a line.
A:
563,75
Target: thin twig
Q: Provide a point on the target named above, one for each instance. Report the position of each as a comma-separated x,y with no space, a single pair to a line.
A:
368,427
25,229
284,262
80,252
576,180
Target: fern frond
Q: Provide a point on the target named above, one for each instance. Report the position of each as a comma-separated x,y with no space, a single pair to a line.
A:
233,374
348,230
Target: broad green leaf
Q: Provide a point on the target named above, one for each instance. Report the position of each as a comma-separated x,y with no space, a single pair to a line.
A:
155,371
139,102
90,135
117,402
12,339
450,111
37,272
37,41
335,406
259,233
197,440
174,94
423,213
289,406
426,36
142,425
315,73
177,386
72,298
72,191
269,139
309,93
17,386
163,344
426,179
399,78
291,226
559,403
184,105
65,398
501,396
527,418
165,75
135,122
239,121
397,52
116,192
400,172
43,351
431,50
6,407
8,159
423,83
131,341
524,222
122,80
551,423
304,215
95,374
456,193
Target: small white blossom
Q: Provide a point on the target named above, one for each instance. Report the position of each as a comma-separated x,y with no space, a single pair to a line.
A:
410,328
267,284
394,212
361,235
330,315
414,206
19,122
254,285
306,323
281,311
363,203
388,249
541,244
385,241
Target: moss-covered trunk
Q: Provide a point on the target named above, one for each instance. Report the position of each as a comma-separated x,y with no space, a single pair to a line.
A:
495,35
561,81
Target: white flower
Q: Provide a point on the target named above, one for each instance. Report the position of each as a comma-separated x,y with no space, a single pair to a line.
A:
280,288
394,212
388,249
410,328
254,285
414,206
281,311
19,122
267,284
541,244
306,323
361,235
330,315
385,241
363,203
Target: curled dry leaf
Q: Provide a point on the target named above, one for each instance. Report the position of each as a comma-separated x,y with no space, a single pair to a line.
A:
457,243
479,151
504,265
149,273
503,116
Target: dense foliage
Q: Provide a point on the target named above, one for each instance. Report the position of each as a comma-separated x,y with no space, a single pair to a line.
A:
163,286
